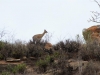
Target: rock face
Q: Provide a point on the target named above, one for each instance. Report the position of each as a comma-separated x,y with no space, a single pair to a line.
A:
12,60
94,29
92,33
76,64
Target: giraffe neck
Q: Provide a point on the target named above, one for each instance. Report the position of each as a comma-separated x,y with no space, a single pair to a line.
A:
43,34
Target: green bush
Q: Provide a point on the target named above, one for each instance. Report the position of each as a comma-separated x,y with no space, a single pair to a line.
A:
43,63
20,68
56,54
5,73
87,35
2,45
49,59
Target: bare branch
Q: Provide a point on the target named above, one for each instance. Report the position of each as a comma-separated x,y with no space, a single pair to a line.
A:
97,2
96,15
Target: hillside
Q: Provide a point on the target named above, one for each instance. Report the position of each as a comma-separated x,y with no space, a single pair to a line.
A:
64,58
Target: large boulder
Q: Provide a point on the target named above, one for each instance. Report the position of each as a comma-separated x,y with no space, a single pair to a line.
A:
92,33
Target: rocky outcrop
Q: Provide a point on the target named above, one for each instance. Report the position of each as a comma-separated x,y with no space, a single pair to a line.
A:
77,64
92,33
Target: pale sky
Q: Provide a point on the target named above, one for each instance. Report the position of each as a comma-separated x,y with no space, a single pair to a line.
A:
63,19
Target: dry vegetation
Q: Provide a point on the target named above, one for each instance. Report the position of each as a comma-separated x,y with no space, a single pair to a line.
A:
67,58
71,57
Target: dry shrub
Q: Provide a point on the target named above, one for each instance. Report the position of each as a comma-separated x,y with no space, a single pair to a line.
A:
15,50
5,49
93,68
72,46
69,47
60,45
90,51
18,49
60,67
35,50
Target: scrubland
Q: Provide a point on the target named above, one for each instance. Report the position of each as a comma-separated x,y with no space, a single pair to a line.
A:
69,57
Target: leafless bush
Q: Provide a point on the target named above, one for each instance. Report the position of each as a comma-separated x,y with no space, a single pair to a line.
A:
92,69
90,51
35,50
